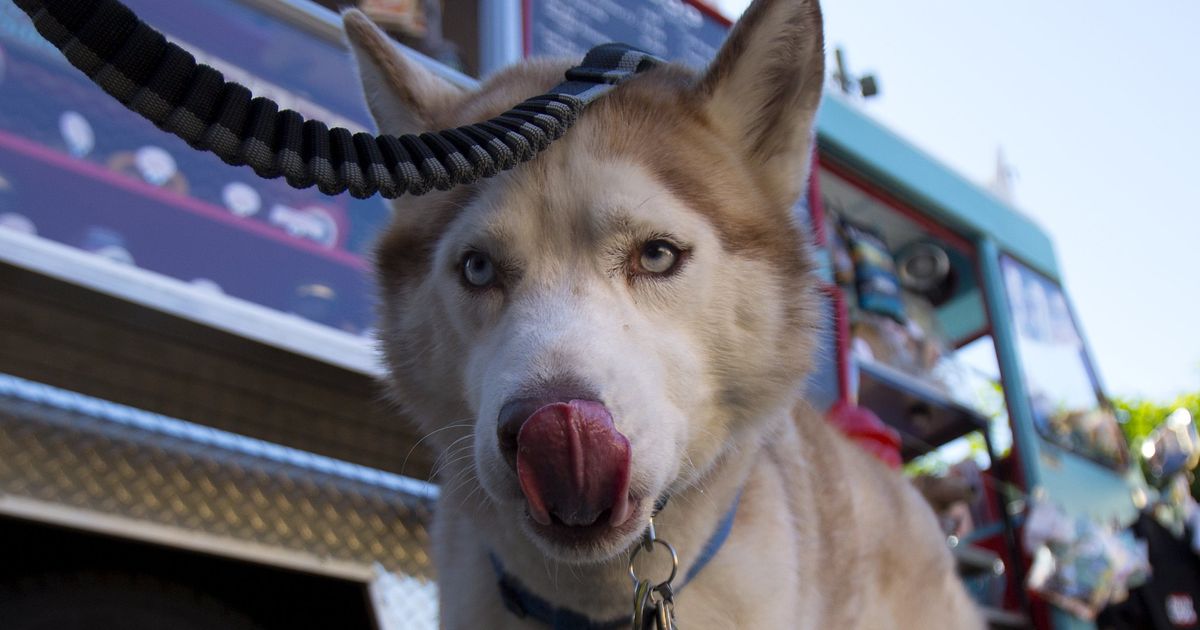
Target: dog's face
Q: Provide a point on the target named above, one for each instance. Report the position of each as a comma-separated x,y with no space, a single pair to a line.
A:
595,329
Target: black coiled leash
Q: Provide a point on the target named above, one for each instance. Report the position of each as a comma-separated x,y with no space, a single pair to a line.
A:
159,80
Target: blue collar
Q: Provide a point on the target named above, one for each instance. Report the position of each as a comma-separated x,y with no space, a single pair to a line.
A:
524,604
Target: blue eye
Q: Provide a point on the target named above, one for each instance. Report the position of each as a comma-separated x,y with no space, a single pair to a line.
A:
478,269
658,257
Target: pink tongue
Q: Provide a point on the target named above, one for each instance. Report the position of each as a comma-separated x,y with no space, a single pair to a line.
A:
573,463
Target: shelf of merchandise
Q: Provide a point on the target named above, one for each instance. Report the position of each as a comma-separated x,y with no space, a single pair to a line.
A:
186,238
925,417
149,199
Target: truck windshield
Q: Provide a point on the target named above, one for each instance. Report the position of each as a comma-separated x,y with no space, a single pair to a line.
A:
1067,407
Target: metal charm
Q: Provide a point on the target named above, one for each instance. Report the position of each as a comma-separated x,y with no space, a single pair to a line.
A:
665,617
641,597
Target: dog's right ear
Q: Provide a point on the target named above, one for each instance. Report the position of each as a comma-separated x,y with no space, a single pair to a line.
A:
403,95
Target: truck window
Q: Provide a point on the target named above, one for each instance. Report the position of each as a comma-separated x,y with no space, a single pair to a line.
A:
1068,409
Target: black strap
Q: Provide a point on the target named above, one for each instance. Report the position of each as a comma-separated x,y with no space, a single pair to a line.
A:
159,80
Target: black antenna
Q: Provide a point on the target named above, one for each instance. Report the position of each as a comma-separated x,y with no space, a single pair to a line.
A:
866,85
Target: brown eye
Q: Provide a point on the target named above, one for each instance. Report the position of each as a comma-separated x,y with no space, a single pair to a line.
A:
478,270
658,257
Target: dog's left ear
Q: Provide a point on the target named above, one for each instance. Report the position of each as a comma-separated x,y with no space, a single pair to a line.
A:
764,87
403,96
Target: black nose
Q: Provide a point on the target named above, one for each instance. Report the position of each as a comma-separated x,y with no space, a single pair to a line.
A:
512,416
517,410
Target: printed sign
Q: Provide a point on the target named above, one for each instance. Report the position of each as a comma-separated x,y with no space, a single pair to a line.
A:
313,223
673,29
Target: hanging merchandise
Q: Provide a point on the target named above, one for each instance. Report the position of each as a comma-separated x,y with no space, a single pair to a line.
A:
874,272
924,268
843,264
916,347
1046,524
950,497
1075,577
1169,598
1078,565
880,338
1172,448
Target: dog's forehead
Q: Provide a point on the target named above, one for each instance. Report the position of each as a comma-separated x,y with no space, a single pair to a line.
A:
645,150
620,158
579,197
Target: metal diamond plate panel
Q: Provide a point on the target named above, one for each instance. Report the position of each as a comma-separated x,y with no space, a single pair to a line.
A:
71,450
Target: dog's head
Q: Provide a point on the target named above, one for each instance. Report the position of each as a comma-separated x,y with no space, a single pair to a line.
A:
601,325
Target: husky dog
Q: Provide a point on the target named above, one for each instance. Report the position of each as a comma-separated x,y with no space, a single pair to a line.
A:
629,317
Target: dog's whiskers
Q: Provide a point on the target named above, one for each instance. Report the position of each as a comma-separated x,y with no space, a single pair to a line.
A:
465,476
456,425
471,495
463,455
454,449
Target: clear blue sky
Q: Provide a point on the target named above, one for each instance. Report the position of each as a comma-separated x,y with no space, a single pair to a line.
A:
1097,106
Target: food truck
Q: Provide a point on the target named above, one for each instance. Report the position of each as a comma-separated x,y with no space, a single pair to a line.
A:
191,432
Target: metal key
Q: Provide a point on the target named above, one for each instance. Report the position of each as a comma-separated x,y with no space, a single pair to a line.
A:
664,618
641,597
664,607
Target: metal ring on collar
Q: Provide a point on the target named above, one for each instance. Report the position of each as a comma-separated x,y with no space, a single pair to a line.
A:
674,563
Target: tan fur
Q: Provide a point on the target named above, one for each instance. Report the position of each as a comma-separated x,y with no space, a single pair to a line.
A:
702,370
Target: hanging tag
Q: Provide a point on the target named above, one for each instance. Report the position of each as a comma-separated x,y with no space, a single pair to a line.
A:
664,618
641,598
664,607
